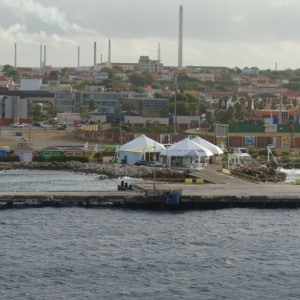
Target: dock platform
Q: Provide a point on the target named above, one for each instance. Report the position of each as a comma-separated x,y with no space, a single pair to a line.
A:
232,192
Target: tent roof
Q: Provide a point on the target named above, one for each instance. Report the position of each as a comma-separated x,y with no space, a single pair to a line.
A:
213,148
185,147
142,144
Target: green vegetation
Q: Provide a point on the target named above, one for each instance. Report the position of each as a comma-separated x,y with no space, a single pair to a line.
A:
61,159
10,158
10,71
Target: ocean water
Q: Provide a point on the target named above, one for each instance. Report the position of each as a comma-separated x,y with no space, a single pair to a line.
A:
76,253
291,174
45,180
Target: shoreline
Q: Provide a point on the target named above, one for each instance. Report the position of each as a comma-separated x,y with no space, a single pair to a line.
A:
230,192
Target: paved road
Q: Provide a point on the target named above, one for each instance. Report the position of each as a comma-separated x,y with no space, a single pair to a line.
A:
231,186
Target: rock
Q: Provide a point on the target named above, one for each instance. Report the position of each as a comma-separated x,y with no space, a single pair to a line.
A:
263,172
104,170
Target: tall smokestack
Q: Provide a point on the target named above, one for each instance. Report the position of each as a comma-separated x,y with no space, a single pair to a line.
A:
78,57
158,52
45,55
95,53
180,37
15,55
109,51
41,56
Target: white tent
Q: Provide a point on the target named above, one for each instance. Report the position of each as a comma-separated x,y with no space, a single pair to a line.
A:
185,147
184,152
136,149
213,148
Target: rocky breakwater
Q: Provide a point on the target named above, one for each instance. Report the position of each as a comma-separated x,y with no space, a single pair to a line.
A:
108,170
262,172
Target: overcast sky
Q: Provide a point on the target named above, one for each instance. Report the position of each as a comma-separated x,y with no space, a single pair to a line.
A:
215,32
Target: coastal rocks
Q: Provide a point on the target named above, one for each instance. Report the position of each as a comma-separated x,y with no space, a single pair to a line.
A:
104,170
5,166
290,165
262,172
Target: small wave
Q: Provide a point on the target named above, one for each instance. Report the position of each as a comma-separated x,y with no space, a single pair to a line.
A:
230,261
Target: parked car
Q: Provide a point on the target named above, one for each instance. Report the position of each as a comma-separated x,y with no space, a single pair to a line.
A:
61,128
17,125
154,164
141,163
46,126
37,124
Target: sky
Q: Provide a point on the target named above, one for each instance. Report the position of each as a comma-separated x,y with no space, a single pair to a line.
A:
230,33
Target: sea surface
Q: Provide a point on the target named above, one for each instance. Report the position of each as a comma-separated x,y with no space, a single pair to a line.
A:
79,253
45,180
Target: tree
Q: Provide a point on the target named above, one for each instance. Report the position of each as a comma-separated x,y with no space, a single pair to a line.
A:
10,71
98,156
37,113
291,126
140,80
92,105
240,110
52,111
182,108
263,125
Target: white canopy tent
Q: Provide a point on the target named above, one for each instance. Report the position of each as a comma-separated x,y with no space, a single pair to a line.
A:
136,149
213,148
186,148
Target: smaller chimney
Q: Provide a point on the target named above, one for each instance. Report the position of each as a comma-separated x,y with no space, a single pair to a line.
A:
95,53
109,52
78,57
158,52
45,55
15,55
41,56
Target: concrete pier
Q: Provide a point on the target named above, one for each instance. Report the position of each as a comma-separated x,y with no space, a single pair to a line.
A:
230,192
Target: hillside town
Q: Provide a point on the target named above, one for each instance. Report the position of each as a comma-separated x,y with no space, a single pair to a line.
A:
147,93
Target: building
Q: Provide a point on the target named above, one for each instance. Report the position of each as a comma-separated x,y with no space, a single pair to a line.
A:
145,107
51,151
4,81
68,102
123,66
148,65
203,76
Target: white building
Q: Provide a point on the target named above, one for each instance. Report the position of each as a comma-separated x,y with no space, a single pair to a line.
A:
146,64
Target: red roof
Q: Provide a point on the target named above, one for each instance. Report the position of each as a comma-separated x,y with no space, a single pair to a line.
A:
4,78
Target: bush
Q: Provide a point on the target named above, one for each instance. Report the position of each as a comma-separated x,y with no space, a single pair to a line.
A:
284,159
68,158
263,152
38,159
10,158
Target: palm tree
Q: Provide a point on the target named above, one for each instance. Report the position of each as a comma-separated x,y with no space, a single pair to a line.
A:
291,126
263,125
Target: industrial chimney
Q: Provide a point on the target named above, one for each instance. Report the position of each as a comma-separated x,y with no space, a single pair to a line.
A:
78,57
158,53
180,37
15,55
109,51
95,54
45,55
41,56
